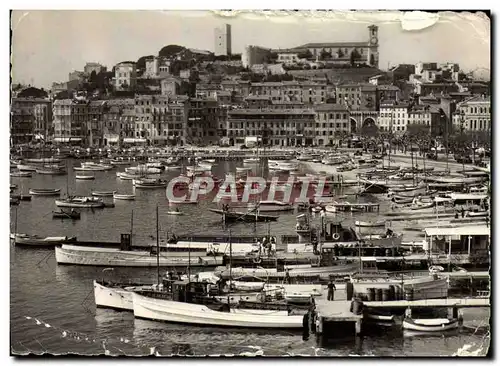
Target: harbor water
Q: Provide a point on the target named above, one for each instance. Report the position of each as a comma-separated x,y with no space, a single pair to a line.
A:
52,307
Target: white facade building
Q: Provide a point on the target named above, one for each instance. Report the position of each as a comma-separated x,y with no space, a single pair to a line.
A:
473,114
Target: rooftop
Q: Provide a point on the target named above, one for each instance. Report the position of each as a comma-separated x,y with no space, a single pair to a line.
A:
271,111
460,230
333,44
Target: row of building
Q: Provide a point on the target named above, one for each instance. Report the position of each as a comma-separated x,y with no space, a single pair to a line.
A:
180,119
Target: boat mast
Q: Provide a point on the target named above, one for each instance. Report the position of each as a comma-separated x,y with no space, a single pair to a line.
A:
230,268
157,248
15,227
131,227
189,260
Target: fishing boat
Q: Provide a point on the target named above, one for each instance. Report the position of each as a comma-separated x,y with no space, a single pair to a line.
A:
51,171
103,193
243,216
251,161
90,165
115,257
370,223
21,174
401,200
149,183
455,180
80,202
39,241
21,197
175,212
477,213
271,206
142,169
84,177
44,160
182,202
26,168
419,205
409,191
45,191
430,325
116,296
150,305
124,197
62,214
120,162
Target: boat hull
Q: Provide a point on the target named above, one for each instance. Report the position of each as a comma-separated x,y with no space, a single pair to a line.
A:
70,254
79,205
43,192
178,312
440,325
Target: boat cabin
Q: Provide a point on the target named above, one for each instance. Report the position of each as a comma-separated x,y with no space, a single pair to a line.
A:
463,244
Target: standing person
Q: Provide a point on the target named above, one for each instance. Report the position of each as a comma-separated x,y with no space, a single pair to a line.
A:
287,276
331,291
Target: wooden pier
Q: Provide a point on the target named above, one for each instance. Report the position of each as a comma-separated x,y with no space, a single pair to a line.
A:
338,311
431,303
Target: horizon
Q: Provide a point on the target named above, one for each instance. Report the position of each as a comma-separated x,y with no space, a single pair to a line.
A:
40,37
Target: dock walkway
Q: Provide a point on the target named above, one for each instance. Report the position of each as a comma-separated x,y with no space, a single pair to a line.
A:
336,311
430,303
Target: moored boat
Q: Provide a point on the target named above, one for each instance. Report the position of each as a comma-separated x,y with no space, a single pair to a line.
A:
149,183
84,177
430,325
21,174
370,223
175,213
26,168
62,214
124,197
45,191
103,193
156,308
80,202
51,171
39,241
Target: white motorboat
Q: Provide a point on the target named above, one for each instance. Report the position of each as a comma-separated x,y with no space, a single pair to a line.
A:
20,174
39,241
116,297
26,168
45,191
124,197
80,202
113,257
181,312
44,160
149,183
430,325
142,169
96,166
51,171
84,177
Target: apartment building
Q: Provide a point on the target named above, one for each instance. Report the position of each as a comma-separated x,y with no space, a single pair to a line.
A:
473,114
331,122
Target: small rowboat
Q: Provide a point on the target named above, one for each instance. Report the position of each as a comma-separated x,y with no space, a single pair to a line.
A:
421,206
380,318
103,193
45,191
401,201
73,215
21,174
124,197
85,177
175,213
477,213
182,202
430,325
370,224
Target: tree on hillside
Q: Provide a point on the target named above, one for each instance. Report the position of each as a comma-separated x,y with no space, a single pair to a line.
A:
325,55
340,54
372,60
355,56
170,50
32,92
306,54
272,57
141,63
93,76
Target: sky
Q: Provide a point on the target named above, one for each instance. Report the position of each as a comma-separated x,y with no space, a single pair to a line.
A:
48,44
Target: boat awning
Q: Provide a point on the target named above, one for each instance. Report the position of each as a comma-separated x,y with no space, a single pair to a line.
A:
461,230
67,139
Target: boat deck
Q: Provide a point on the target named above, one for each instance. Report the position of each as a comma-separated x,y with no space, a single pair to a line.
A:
431,303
